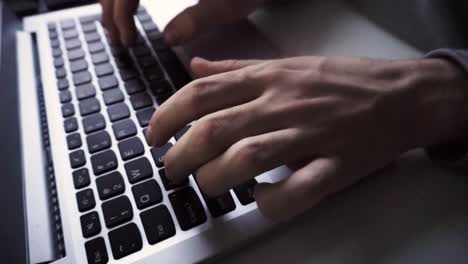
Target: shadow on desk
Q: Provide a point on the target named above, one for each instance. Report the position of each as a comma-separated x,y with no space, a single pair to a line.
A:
414,212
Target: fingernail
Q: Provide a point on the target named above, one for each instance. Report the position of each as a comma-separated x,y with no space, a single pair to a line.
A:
149,136
171,38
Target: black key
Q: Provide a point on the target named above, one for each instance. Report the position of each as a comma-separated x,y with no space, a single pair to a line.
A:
157,41
60,73
85,200
81,178
95,47
134,86
131,148
55,43
112,96
141,51
158,224
188,208
124,129
158,154
181,132
104,69
138,170
89,106
75,54
160,86
127,74
147,62
104,162
92,37
67,24
65,96
110,185
98,141
149,26
53,35
90,224
108,82
71,44
70,124
93,123
125,240
99,58
124,61
143,17
58,62
118,51
68,110
153,73
117,211
118,111
174,68
89,28
51,26
85,91
73,141
220,205
81,78
144,116
161,98
62,84
96,252
147,193
245,192
69,34
89,19
77,159
168,184
78,65
141,100
57,52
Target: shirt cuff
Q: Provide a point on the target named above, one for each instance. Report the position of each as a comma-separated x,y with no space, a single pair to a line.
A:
451,153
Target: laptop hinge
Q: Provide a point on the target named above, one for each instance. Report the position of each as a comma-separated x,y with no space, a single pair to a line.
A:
44,229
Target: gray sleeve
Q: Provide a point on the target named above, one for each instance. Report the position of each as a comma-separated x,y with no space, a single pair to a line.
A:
452,153
456,55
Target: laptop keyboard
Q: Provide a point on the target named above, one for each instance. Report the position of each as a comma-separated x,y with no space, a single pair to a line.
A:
99,116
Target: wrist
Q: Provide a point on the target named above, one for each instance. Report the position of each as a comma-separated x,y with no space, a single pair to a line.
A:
434,96
425,102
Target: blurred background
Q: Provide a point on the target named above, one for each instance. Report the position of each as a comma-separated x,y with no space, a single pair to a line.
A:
31,7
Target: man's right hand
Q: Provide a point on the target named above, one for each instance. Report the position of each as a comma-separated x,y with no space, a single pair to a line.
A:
117,18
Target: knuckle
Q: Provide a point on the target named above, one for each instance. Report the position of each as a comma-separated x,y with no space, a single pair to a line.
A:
252,153
208,131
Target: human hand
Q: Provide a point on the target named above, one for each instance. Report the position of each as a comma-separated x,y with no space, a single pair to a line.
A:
117,18
332,120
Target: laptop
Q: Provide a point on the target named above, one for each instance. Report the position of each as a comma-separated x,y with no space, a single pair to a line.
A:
83,185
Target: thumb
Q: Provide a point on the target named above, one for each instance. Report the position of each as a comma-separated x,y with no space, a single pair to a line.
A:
302,190
203,68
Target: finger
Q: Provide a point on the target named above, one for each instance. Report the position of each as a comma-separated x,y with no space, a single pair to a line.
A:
214,134
297,193
107,20
304,188
248,158
202,68
199,98
124,10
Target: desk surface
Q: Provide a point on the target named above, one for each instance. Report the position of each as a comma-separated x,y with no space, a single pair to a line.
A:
414,213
